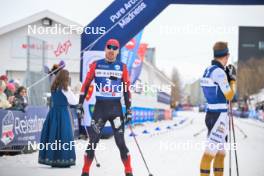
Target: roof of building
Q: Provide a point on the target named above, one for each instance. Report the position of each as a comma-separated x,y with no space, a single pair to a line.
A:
36,17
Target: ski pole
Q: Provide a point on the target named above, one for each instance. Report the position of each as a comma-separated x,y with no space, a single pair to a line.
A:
199,132
242,131
96,161
230,150
234,135
140,151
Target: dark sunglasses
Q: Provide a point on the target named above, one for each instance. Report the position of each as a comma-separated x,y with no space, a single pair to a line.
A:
113,47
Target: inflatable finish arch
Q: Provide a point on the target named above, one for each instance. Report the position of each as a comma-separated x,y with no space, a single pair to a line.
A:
123,19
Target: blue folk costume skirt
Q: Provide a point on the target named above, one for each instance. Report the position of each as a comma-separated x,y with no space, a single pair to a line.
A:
57,128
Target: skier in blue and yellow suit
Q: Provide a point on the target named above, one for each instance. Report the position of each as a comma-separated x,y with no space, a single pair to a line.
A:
218,84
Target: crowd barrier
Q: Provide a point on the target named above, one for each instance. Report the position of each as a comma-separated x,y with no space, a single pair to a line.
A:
142,115
258,115
18,128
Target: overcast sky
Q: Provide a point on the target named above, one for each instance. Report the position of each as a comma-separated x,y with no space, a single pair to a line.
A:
182,34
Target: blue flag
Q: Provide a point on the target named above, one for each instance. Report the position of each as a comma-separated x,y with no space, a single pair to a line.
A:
130,50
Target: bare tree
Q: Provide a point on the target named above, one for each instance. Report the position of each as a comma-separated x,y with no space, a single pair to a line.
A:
176,89
250,77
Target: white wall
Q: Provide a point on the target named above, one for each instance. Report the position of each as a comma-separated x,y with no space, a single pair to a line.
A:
150,75
13,55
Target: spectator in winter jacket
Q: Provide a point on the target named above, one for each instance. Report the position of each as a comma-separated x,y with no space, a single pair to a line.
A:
10,92
4,78
21,99
3,99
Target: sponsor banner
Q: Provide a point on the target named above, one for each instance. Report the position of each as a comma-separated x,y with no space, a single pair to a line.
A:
141,115
18,128
160,114
218,2
122,20
54,47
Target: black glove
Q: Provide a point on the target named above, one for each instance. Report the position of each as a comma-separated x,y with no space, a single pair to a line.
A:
81,99
128,116
230,73
79,110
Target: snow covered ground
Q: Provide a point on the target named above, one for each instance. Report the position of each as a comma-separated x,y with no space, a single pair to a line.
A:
161,149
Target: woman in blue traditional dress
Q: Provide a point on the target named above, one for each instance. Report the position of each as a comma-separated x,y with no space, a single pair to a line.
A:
58,126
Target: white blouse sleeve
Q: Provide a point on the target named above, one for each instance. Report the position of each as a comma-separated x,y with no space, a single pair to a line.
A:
72,100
